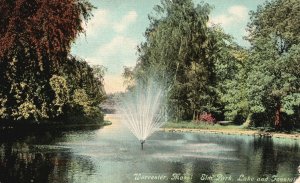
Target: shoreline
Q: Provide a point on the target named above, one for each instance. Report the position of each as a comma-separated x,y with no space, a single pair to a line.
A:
245,132
36,127
224,131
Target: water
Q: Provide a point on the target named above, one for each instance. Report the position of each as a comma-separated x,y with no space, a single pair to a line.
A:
112,155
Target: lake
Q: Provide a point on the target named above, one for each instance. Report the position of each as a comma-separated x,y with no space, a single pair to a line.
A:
112,154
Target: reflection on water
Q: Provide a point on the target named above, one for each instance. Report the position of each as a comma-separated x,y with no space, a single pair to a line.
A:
112,154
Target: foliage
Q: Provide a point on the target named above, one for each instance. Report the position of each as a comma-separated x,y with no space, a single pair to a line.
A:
233,88
266,86
60,88
47,27
274,82
81,99
207,117
181,51
39,77
25,110
205,71
3,108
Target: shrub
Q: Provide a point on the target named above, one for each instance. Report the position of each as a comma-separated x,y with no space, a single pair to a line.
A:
207,117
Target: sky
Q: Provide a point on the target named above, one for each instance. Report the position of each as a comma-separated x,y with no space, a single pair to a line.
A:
117,28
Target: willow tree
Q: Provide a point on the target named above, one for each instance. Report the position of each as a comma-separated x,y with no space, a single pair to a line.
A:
36,38
180,52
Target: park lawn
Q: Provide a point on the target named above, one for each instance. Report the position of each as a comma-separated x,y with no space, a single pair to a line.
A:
186,126
192,125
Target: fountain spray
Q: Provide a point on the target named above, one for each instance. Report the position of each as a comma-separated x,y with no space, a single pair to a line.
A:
142,110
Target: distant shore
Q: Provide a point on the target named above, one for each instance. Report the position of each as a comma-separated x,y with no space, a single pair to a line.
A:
40,127
217,129
295,136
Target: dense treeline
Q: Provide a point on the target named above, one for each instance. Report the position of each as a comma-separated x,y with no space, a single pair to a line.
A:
40,80
207,73
269,78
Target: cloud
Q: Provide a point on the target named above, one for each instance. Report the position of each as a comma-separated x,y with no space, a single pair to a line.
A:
118,44
120,51
98,22
240,12
94,60
126,20
116,53
233,15
102,20
113,51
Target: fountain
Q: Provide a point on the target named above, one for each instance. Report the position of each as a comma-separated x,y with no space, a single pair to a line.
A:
142,110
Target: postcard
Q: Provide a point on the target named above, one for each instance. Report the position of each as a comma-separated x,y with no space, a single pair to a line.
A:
149,91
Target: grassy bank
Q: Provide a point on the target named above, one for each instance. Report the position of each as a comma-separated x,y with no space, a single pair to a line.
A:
192,125
185,126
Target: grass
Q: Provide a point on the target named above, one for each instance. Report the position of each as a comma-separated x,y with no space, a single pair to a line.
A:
201,125
227,129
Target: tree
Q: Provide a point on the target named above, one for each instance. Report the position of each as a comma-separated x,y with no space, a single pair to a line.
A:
273,86
84,87
45,26
232,71
36,38
180,51
61,90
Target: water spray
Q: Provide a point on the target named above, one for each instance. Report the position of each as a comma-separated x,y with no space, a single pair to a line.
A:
142,110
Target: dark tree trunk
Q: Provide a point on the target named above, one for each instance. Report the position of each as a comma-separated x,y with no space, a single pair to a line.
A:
278,122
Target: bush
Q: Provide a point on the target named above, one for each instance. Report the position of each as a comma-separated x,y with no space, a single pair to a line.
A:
207,118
